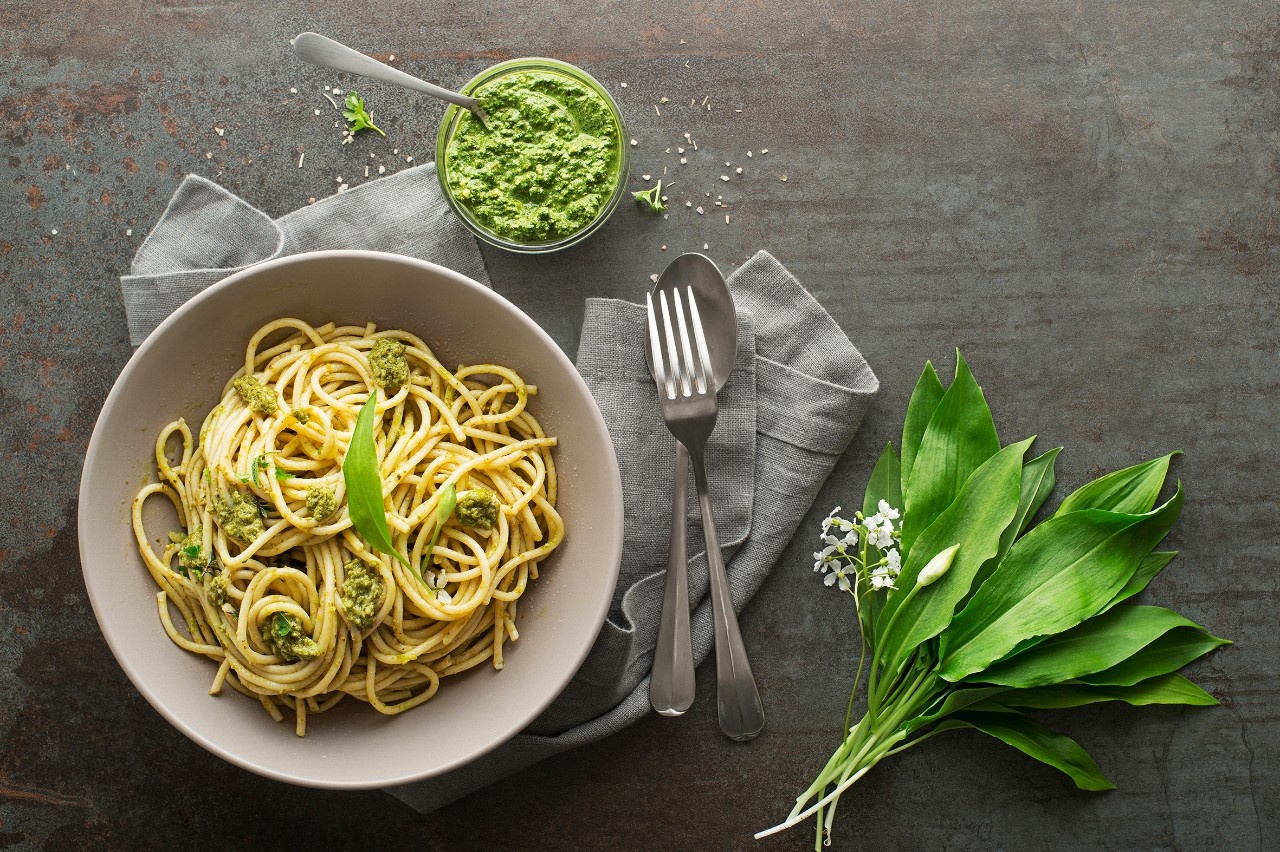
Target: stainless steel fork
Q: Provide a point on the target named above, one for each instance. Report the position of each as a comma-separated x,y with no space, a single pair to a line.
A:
686,389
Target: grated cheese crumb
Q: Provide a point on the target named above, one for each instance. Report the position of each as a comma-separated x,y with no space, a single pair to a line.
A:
783,178
700,211
655,109
633,143
748,154
128,232
662,100
293,90
684,160
301,157
54,232
654,278
391,57
219,130
724,177
706,246
738,170
726,218
764,150
624,85
382,170
317,112
644,177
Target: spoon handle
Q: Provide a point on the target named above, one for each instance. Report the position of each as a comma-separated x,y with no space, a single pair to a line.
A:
737,699
318,50
672,684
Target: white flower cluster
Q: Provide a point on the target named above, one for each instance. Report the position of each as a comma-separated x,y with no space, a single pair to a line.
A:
842,558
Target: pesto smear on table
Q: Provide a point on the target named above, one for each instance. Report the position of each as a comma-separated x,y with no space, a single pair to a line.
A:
546,164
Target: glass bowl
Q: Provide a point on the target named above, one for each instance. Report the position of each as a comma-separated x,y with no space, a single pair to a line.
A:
454,117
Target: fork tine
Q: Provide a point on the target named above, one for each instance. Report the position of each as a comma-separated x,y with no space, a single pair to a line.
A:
655,348
677,383
704,355
687,371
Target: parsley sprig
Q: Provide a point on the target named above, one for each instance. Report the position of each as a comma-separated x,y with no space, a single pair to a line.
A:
358,117
651,197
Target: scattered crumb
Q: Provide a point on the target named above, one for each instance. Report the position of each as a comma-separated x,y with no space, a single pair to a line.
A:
706,246
342,187
764,150
624,85
738,170
395,150
684,160
293,90
409,159
128,232
382,170
219,130
783,178
655,109
724,177
682,41
391,57
208,155
748,155
662,100
726,218
331,100
366,171
645,177
301,157
633,143
317,112
311,200
664,248
700,210
688,204
54,232
653,277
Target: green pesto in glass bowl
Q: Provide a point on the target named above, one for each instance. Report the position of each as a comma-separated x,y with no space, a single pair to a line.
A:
550,167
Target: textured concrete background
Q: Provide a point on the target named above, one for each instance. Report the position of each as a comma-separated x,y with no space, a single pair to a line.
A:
1082,195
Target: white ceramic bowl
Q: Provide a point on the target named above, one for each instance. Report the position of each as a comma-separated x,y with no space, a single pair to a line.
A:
180,370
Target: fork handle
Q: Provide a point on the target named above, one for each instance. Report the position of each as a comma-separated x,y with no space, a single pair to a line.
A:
671,686
737,699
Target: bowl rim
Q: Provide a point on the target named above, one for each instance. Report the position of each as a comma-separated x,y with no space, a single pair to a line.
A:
132,668
449,124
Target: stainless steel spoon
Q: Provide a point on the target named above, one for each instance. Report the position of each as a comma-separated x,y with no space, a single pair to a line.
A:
671,685
319,50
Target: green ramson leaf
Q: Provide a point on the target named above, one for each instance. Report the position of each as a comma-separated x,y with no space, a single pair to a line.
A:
885,483
924,401
960,436
956,700
1162,689
1057,575
1093,646
1133,490
1167,654
1037,483
1148,568
364,484
984,507
1034,740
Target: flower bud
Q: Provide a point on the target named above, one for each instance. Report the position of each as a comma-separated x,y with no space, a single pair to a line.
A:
937,566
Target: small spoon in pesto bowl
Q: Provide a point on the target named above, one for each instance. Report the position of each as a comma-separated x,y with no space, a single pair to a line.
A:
319,50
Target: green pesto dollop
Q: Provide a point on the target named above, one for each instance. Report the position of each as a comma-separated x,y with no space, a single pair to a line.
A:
215,589
389,365
547,163
240,517
283,635
321,502
256,395
301,415
190,549
361,594
477,508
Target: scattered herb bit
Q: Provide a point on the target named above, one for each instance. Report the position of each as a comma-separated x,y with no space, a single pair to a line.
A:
355,113
364,485
258,465
282,474
651,197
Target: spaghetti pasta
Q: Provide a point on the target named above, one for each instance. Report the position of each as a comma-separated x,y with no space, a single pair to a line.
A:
268,575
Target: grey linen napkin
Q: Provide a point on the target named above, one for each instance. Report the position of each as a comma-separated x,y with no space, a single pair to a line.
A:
796,396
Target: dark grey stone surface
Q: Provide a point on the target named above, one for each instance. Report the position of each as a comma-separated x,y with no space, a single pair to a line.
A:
1082,196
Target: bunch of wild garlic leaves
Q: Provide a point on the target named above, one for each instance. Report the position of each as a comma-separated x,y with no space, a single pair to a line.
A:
970,616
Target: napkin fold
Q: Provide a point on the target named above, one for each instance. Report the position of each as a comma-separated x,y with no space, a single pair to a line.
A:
795,398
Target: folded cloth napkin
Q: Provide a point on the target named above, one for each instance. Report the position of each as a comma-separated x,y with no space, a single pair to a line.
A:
796,396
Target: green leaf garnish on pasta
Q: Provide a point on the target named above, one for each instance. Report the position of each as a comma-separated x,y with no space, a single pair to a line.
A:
448,499
364,484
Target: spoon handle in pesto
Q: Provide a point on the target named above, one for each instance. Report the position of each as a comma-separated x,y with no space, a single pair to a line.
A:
319,50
